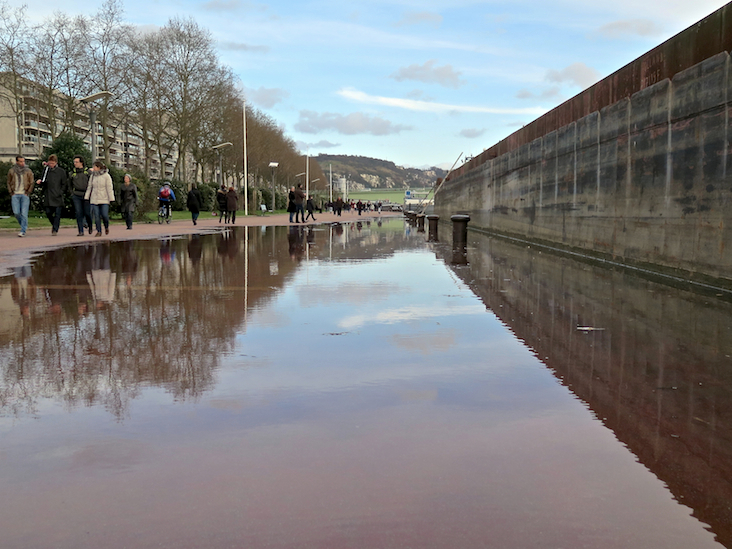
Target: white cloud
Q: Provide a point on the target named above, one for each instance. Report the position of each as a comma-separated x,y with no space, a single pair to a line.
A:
322,144
407,314
222,5
422,17
578,74
265,97
430,74
349,124
472,133
630,27
428,106
241,46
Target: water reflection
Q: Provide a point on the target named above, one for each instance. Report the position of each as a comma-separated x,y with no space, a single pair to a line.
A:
342,387
652,363
93,324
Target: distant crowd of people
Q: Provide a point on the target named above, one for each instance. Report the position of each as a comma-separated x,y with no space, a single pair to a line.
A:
92,192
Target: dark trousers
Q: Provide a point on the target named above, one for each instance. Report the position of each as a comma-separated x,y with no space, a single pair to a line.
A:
310,214
54,216
232,215
194,217
128,218
83,212
299,211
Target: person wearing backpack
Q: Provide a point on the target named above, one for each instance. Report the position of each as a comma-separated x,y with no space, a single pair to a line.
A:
166,196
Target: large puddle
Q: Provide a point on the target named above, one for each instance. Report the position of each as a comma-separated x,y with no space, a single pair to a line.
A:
350,386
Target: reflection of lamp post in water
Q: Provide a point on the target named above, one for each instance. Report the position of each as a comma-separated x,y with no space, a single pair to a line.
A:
218,148
93,118
273,165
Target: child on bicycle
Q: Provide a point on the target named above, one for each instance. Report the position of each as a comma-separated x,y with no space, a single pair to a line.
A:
165,197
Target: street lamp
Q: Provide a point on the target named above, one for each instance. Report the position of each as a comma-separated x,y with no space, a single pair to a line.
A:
93,117
273,165
218,148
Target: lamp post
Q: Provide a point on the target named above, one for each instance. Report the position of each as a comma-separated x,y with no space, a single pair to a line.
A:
93,117
246,172
273,165
218,148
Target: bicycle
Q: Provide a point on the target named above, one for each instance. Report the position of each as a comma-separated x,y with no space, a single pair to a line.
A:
164,212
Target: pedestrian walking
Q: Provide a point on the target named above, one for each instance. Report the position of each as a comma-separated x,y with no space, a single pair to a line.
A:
20,186
79,178
291,202
100,193
221,201
54,184
194,203
310,207
128,199
299,203
231,205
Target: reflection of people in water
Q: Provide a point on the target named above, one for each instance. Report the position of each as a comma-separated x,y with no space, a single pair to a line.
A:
101,279
295,244
195,249
167,253
21,288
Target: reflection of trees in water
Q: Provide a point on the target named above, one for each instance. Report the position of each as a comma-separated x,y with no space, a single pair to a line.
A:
97,323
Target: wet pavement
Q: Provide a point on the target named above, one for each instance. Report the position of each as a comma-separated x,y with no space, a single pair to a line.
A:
355,386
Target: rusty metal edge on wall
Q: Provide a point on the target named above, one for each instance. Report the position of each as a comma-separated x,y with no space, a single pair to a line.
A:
700,41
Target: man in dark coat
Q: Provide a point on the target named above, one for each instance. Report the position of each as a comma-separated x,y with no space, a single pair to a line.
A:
221,201
194,203
54,184
299,203
128,199
79,181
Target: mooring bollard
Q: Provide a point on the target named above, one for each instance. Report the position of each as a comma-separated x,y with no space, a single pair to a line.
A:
420,223
459,229
460,239
432,221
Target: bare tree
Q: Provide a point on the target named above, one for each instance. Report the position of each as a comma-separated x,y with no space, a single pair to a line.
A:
108,63
190,73
14,34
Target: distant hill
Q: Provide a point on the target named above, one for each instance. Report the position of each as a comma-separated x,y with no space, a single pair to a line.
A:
372,173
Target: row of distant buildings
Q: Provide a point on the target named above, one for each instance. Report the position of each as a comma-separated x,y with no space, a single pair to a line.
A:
127,150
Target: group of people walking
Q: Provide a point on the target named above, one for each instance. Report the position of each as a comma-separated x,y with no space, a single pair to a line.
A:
91,193
228,202
297,203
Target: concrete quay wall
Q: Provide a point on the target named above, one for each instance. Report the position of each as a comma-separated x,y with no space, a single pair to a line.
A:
645,181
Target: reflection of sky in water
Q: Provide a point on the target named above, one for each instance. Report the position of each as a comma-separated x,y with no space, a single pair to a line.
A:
367,403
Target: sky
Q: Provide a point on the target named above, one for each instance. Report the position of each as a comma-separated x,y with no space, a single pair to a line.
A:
416,82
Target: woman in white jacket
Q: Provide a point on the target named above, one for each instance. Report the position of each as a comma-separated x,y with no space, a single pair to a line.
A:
100,193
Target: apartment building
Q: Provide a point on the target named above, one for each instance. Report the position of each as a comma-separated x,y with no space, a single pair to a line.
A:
37,129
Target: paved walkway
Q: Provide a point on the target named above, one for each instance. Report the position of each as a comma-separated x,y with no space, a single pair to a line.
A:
15,251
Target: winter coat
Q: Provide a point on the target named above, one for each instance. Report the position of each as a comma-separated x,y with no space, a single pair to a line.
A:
231,200
27,178
79,182
291,202
194,201
55,183
128,198
100,189
221,199
299,197
309,206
